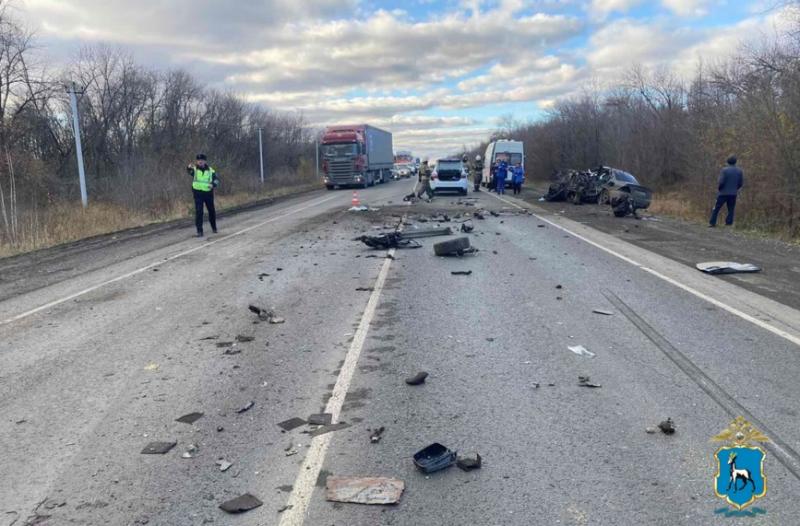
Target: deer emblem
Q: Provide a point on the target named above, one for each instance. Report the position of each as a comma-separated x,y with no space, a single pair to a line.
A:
738,474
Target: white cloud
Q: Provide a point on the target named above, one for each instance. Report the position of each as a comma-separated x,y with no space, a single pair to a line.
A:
688,7
602,8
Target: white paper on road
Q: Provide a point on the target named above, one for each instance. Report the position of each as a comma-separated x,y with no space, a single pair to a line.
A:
580,350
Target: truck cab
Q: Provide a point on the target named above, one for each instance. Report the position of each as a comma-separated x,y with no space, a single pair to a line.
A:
359,155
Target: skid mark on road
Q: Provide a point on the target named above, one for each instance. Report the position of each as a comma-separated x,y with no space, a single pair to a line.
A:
733,310
785,454
145,268
305,483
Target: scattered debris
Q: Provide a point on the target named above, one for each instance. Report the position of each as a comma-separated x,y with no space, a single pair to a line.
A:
387,240
603,312
540,226
377,435
559,287
190,451
453,247
265,315
223,464
246,407
322,430
190,418
158,448
151,367
287,507
364,490
726,267
232,351
434,458
241,504
262,276
292,423
667,426
320,419
650,430
365,289
417,379
467,227
585,381
495,214
580,350
470,461
461,272
244,339
222,345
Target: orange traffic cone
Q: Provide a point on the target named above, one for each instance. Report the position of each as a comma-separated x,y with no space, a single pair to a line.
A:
355,202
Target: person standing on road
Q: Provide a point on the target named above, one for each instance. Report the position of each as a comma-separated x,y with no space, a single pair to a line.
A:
477,173
517,178
500,176
204,180
731,180
425,181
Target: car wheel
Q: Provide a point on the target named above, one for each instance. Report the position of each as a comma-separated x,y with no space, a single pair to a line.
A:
329,186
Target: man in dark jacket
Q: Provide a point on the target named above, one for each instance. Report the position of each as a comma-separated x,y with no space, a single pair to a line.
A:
204,180
477,173
731,180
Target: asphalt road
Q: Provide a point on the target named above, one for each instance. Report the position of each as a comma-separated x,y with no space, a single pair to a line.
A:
103,345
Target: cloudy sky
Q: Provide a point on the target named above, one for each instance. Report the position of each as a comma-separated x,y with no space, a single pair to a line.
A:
438,73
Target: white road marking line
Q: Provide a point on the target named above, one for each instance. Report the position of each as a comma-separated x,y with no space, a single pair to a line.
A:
158,263
733,310
303,487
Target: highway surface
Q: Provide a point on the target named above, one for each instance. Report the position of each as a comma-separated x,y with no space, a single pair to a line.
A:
105,343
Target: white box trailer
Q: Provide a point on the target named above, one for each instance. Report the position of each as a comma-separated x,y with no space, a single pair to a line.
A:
512,152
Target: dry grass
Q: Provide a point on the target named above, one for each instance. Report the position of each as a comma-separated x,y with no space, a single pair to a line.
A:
64,222
676,205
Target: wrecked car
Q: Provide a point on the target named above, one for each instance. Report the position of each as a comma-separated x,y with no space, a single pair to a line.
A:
574,186
622,191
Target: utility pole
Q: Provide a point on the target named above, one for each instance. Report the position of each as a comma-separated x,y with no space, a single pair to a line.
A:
261,154
76,129
316,155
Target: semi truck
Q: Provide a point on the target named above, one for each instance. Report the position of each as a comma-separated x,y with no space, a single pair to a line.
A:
356,155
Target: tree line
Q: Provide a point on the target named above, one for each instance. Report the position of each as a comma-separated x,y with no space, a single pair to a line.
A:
674,134
139,129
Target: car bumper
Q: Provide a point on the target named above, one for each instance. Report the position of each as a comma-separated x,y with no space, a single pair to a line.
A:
455,186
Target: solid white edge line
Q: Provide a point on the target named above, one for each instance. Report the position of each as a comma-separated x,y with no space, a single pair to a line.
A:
132,273
733,310
306,481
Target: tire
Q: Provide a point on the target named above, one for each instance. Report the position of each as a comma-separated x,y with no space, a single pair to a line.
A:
329,186
451,247
463,192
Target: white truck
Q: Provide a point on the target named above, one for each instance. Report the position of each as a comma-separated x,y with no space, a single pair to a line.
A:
512,152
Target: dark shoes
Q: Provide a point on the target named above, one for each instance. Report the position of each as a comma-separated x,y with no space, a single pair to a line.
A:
199,234
214,230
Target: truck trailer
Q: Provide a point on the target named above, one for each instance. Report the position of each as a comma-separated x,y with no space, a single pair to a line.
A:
356,155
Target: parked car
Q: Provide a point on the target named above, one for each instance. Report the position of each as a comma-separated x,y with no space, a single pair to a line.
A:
449,175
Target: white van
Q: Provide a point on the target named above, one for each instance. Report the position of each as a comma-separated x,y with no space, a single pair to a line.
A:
512,152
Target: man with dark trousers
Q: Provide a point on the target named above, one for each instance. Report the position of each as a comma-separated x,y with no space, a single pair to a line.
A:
204,180
731,180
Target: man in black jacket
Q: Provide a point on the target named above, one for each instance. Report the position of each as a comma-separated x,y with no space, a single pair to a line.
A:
731,180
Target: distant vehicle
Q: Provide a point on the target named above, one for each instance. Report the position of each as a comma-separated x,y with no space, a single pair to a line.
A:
449,175
401,171
512,152
357,155
404,164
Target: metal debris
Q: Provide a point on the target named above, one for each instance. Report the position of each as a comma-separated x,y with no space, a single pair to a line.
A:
417,379
365,289
387,240
580,350
364,490
244,339
650,430
190,451
328,428
246,407
223,464
453,247
241,504
603,312
158,448
667,426
292,423
434,457
190,418
377,435
461,272
320,419
585,381
726,267
469,461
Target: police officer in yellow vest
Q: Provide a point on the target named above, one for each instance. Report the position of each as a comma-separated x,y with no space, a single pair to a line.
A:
204,180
